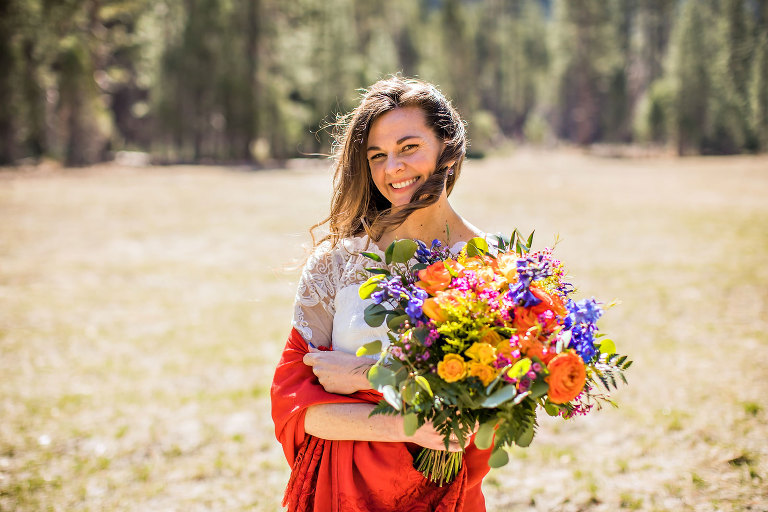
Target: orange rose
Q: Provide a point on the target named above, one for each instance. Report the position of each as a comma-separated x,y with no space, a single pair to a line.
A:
524,319
482,352
433,310
566,378
489,277
452,368
507,265
549,301
485,373
531,347
449,297
434,278
474,263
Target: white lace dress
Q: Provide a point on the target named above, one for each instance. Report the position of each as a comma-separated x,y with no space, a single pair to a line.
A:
328,310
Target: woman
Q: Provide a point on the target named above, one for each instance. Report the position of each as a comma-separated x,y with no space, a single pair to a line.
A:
399,154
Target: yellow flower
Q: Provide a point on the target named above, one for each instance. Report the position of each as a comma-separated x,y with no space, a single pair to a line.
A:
452,368
481,352
504,347
485,373
490,337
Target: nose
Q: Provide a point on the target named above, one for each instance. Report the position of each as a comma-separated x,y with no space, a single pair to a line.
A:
394,164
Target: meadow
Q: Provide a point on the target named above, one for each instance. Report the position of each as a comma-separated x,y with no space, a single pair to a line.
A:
142,312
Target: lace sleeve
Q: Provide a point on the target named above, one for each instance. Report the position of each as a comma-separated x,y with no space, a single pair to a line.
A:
314,306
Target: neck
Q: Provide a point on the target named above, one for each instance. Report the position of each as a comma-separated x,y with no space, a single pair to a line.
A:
438,221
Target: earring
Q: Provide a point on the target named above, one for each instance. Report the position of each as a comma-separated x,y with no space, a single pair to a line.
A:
450,171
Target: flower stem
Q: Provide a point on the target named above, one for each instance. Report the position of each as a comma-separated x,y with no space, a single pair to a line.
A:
439,466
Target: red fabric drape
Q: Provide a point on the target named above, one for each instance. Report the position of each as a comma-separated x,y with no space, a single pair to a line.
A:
351,476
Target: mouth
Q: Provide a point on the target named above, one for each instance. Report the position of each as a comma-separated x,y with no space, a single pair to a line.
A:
404,183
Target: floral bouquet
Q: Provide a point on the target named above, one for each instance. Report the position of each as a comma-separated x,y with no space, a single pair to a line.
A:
485,337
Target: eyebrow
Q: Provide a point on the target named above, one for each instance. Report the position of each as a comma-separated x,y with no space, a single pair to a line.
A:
399,141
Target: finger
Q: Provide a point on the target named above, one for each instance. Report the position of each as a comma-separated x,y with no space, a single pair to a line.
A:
309,359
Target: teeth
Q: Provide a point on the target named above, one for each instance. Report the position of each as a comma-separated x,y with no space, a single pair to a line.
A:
403,184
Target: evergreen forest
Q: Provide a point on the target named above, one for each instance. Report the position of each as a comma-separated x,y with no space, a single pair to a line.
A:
255,81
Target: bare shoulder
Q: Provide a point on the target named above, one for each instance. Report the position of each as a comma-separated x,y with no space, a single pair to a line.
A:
467,231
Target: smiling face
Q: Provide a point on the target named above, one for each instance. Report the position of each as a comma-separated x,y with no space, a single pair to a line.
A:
402,153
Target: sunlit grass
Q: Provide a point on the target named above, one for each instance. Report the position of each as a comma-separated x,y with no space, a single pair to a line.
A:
142,313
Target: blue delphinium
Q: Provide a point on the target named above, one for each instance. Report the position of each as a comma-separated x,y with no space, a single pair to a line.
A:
582,322
433,254
528,270
391,288
422,253
415,303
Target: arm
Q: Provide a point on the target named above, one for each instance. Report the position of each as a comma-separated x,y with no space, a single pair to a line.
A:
340,422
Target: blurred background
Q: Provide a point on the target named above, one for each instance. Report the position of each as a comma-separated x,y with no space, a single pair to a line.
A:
253,81
155,206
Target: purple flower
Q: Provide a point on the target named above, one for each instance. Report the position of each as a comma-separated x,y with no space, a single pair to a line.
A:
582,322
415,302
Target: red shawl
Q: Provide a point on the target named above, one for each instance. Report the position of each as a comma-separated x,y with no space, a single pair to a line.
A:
356,476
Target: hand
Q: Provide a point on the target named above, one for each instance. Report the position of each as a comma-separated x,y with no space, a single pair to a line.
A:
339,372
428,437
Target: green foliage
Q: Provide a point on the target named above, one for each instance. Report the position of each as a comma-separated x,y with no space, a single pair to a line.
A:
253,81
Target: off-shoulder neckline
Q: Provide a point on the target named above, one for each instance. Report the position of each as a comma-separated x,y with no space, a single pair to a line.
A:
365,243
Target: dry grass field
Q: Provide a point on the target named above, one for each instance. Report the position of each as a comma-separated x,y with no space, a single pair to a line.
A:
142,312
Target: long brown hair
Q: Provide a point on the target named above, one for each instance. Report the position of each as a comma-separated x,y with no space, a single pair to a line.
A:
357,206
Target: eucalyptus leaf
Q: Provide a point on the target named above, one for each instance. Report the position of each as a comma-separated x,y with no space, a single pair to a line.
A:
394,365
498,458
410,423
392,398
500,396
371,255
408,392
381,377
525,437
388,253
375,314
478,246
369,349
368,287
497,379
403,251
484,435
539,388
420,333
424,383
395,321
